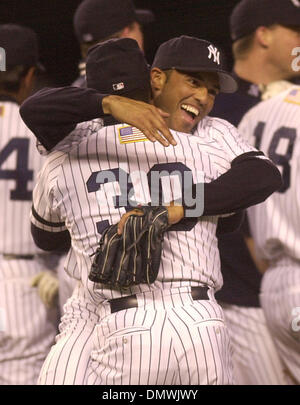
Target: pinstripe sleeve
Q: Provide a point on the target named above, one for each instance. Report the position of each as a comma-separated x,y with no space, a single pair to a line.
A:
44,214
225,141
230,139
246,126
82,130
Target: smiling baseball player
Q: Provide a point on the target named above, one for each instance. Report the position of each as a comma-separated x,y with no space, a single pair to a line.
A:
69,193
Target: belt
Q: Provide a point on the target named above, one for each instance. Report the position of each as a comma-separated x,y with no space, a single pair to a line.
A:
119,304
18,257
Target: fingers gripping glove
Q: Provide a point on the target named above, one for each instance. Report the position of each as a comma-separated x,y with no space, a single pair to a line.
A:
133,257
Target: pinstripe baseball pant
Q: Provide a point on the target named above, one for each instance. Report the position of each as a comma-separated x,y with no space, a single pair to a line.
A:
27,327
255,357
280,300
68,360
168,339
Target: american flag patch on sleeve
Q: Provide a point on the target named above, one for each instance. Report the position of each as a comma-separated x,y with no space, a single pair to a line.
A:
293,96
128,134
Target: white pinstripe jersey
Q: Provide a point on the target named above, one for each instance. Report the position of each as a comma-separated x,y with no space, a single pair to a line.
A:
19,165
67,192
274,127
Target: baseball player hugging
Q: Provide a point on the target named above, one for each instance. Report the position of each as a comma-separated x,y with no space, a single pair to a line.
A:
171,330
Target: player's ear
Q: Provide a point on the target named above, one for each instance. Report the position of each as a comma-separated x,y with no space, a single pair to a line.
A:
29,78
263,36
158,80
26,84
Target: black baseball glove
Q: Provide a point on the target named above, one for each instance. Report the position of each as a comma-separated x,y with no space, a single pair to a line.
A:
133,257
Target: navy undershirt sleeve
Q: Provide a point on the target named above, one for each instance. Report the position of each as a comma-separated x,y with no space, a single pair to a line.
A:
52,113
249,181
49,241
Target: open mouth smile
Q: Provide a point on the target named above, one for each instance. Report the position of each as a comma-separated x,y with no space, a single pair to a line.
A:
191,110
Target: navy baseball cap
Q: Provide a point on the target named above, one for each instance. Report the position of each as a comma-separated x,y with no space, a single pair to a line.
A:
20,44
190,54
117,66
251,14
97,19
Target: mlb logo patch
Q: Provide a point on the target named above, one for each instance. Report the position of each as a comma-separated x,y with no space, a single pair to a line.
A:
128,134
293,97
1,110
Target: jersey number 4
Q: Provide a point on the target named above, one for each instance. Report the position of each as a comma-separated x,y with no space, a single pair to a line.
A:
21,174
279,159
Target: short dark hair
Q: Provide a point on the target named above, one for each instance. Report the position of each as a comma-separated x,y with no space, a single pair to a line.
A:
10,80
168,73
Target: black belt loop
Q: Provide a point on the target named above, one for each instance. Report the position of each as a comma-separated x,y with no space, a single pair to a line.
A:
130,301
199,293
119,304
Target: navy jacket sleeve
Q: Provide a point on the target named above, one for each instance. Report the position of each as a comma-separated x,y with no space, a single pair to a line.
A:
250,180
52,113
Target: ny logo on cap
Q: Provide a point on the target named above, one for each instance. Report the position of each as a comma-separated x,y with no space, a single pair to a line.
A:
213,51
118,86
296,2
2,60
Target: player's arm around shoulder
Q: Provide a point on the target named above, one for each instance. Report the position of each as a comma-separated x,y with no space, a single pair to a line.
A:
52,113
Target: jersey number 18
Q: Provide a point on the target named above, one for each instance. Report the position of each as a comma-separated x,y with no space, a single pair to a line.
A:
279,159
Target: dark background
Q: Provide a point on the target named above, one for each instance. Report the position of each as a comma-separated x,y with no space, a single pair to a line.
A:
52,21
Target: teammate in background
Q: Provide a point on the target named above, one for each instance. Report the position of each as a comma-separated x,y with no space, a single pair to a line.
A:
274,127
99,20
264,33
96,21
28,325
187,93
